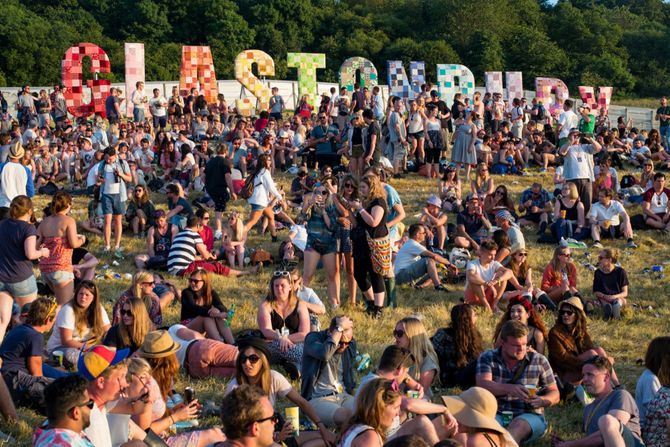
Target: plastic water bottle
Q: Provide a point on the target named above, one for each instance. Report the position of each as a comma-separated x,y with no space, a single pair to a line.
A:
363,362
229,317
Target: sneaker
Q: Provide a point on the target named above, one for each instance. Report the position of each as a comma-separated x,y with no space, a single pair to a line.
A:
106,250
441,288
597,244
631,244
543,170
377,313
218,235
118,253
398,175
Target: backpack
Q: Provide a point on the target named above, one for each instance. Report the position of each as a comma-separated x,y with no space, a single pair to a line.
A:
248,188
540,113
627,181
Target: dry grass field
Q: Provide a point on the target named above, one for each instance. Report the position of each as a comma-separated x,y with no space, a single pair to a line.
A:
626,339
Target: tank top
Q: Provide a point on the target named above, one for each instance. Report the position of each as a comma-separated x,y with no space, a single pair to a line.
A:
357,136
570,213
162,243
433,125
291,322
415,123
60,255
351,435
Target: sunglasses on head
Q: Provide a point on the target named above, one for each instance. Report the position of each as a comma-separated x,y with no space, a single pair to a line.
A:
279,273
253,358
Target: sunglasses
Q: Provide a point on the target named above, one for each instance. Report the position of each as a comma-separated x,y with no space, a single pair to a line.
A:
398,333
90,404
348,185
126,312
566,312
279,273
324,193
253,358
567,255
196,281
148,283
500,193
274,419
522,255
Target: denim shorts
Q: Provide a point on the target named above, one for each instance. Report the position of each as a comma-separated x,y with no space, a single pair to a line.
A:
255,207
417,270
112,204
322,246
20,289
537,423
58,277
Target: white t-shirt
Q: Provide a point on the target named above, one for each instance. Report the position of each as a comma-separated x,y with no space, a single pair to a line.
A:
279,386
65,320
98,431
183,343
144,158
111,185
612,213
485,273
300,239
409,253
308,295
156,108
516,238
569,120
13,180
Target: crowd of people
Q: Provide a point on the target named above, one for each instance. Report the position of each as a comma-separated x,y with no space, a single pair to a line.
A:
341,213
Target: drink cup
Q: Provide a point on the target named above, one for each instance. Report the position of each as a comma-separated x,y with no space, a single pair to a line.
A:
292,415
58,358
607,224
532,390
507,417
564,213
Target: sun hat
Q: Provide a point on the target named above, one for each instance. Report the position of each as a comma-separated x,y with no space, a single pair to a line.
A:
95,360
16,150
476,408
158,344
434,200
572,301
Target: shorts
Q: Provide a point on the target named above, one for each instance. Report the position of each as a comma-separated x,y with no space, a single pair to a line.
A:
220,202
325,407
160,289
357,150
322,246
255,207
343,236
416,135
21,289
433,155
629,439
661,215
276,115
533,217
399,151
414,272
537,423
613,232
112,204
58,277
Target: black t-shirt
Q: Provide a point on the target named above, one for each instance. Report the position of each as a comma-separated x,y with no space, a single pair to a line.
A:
455,111
215,176
443,109
664,111
374,129
14,266
472,222
190,309
21,343
110,110
610,283
380,230
113,339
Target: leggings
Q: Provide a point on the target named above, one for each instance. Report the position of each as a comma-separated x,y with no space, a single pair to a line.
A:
363,267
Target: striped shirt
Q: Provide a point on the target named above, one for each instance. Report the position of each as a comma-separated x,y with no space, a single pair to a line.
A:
183,251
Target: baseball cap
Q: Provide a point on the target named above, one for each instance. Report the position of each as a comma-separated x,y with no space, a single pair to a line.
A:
97,359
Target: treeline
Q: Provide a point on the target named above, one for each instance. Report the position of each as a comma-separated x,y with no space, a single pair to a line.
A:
622,43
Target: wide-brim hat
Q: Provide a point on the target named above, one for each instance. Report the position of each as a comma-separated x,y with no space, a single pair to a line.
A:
476,408
434,200
572,301
16,150
158,344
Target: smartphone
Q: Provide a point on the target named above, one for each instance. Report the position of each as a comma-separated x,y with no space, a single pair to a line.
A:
189,395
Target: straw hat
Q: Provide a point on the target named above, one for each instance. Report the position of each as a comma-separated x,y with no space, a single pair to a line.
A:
16,150
158,344
476,408
574,302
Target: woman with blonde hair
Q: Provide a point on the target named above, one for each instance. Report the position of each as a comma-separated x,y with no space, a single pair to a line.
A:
569,215
155,371
202,309
58,233
410,333
80,322
142,287
133,327
252,367
356,149
371,243
377,405
234,241
559,279
284,321
344,222
482,185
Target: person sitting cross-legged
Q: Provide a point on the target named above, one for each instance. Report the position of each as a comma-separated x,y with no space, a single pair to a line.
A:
413,261
609,218
655,204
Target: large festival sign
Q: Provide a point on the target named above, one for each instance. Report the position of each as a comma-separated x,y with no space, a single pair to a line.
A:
72,73
265,66
366,69
197,70
134,55
307,63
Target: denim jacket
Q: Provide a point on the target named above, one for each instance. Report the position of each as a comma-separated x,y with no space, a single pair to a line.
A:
319,347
